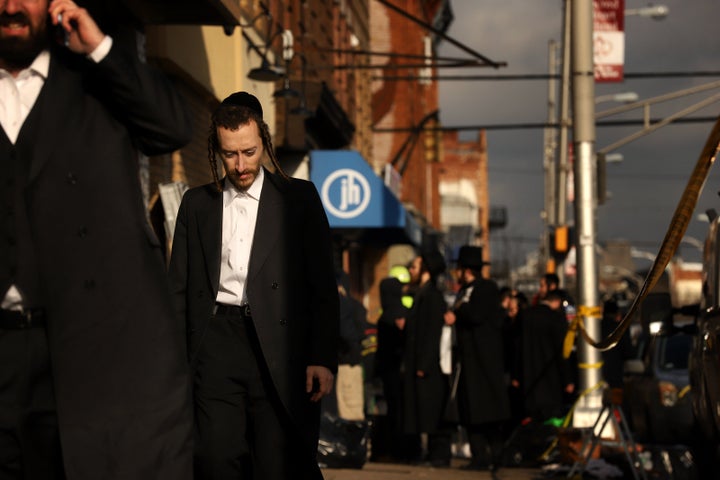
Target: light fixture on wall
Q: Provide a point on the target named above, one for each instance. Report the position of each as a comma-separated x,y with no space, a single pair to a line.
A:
266,72
288,54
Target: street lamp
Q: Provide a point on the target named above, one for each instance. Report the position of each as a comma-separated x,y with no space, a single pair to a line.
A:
656,12
614,158
622,97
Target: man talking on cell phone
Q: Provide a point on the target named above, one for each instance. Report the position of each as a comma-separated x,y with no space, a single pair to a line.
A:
93,378
252,275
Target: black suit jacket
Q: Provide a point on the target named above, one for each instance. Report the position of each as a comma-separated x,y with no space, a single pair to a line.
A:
482,392
291,284
117,354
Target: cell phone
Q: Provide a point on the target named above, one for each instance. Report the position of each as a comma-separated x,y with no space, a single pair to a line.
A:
62,36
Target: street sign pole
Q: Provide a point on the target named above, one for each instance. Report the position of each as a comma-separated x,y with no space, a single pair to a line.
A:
583,91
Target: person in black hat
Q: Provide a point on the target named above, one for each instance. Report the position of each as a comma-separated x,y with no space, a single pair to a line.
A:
483,401
425,386
253,280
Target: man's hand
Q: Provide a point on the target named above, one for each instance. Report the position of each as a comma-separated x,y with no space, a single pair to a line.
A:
400,323
324,379
450,317
84,35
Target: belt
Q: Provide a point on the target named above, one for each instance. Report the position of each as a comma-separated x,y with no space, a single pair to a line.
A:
241,310
18,320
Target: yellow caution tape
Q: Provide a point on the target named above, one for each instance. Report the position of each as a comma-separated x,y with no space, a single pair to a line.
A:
583,311
569,341
684,392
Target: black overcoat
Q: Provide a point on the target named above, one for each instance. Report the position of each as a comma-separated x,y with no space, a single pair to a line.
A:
482,390
545,372
425,397
121,382
291,285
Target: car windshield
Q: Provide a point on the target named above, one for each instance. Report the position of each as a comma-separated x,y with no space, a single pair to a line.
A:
674,352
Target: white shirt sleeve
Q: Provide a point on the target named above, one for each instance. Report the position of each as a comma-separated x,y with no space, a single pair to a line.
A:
101,50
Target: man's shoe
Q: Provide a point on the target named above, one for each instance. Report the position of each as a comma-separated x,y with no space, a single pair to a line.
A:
437,463
474,466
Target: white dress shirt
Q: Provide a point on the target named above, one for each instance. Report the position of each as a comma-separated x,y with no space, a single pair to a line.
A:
17,97
240,211
18,94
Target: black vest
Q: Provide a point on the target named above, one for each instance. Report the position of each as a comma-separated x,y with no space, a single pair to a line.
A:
18,261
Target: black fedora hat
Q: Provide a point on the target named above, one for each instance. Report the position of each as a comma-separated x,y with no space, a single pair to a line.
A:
470,257
434,262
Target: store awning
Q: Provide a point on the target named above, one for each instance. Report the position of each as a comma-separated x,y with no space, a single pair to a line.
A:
195,12
357,202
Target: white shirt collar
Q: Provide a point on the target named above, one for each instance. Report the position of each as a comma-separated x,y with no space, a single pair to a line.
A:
40,66
230,191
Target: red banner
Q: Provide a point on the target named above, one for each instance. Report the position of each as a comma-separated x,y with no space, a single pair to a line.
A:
609,40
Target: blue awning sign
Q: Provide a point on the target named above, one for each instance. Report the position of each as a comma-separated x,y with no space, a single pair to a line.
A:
355,197
346,193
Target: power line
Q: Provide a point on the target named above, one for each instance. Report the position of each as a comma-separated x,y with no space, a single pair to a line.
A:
538,125
537,76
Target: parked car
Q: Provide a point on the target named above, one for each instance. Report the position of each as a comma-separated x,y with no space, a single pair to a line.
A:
657,394
705,354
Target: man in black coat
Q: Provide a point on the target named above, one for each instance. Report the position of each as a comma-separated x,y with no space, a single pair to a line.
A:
545,374
253,279
425,386
482,393
390,442
86,322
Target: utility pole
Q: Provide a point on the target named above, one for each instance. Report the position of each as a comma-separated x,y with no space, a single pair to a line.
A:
563,166
549,163
583,91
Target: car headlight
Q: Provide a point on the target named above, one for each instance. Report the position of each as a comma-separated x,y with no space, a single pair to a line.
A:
668,394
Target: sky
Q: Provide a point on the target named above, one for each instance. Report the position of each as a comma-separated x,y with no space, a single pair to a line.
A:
645,187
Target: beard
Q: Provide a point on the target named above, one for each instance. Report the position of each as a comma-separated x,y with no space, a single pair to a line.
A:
244,184
17,53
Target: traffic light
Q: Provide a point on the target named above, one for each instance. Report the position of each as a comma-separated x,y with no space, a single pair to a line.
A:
560,241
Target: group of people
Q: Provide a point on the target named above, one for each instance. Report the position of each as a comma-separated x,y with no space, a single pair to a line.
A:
507,361
111,367
114,367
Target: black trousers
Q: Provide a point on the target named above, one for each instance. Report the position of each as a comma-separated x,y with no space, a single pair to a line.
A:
29,440
242,432
486,443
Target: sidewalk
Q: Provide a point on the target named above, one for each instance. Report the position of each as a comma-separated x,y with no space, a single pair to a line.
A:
393,471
